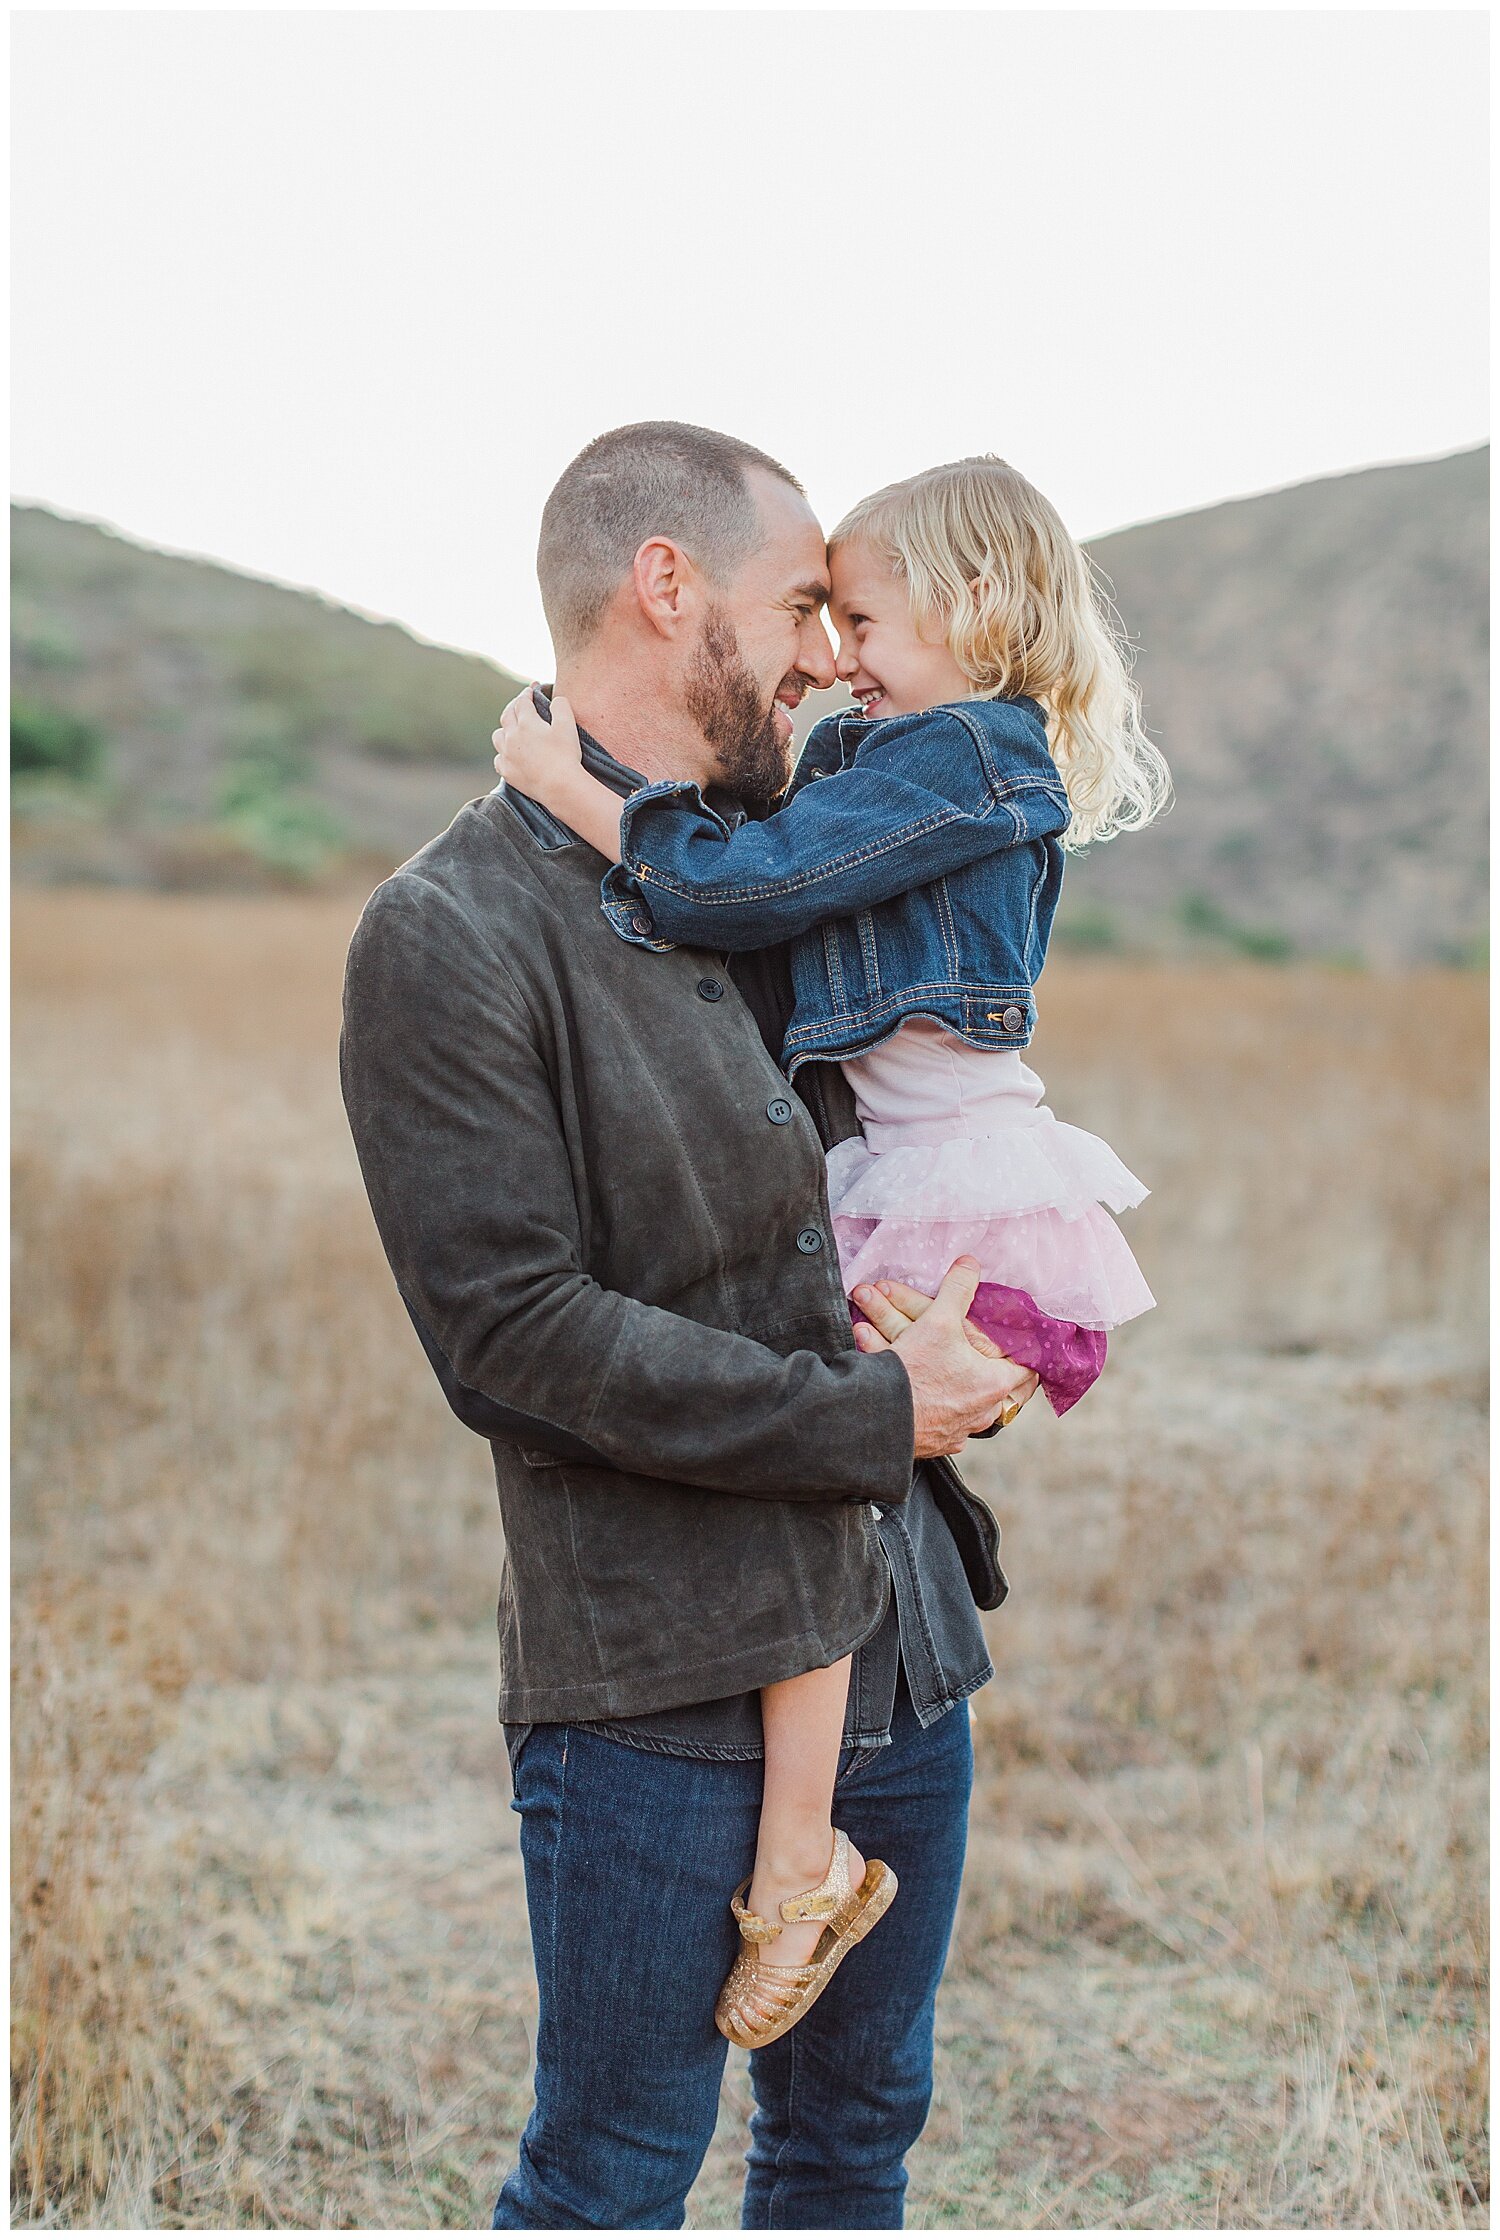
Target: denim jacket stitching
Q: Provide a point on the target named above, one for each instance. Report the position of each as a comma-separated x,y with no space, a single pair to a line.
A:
1037,885
981,744
944,907
866,925
835,964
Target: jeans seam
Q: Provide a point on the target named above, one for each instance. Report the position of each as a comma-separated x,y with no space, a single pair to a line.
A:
551,1960
562,1801
786,2144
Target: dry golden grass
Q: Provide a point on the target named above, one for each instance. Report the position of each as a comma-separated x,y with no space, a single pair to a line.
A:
1221,1950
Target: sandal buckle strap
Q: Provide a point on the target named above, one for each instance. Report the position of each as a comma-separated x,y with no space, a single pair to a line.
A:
754,1928
832,1892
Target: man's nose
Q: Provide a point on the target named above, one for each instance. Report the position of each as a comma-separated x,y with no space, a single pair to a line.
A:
815,656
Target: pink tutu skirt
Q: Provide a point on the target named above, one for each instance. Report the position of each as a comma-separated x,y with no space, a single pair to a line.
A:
1018,1190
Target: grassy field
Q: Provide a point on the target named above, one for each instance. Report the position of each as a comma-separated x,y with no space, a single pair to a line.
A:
1220,1960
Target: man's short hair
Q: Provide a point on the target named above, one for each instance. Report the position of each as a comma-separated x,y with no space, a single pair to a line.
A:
656,478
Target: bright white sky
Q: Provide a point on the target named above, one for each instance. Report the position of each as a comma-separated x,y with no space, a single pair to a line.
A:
335,296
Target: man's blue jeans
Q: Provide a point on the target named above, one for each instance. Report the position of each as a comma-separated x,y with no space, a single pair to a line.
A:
630,1860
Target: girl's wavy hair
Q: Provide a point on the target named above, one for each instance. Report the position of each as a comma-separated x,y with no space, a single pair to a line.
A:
991,570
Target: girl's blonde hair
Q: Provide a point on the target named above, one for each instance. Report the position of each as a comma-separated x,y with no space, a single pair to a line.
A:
990,569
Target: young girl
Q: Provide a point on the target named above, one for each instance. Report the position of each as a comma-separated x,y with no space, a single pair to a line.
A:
916,882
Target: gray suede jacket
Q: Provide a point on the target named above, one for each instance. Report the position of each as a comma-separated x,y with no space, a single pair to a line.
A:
605,1212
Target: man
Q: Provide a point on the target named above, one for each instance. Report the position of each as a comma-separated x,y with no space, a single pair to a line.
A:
605,1211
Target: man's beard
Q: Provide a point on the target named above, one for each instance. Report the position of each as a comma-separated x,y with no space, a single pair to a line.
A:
726,701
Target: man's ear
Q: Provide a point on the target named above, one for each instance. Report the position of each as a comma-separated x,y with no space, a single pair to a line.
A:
665,585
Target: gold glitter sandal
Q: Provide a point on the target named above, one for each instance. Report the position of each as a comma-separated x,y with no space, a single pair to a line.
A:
762,1999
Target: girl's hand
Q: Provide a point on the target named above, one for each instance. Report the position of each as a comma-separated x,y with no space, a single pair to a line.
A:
545,760
535,756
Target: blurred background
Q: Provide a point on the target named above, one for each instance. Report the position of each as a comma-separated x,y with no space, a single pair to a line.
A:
310,312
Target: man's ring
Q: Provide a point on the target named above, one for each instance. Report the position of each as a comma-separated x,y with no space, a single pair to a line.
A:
1010,1411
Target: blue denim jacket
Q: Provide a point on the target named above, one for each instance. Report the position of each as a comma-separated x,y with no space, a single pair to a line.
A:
914,866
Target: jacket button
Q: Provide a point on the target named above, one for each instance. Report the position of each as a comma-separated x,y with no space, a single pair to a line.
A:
1014,1018
710,990
641,923
810,1240
779,1111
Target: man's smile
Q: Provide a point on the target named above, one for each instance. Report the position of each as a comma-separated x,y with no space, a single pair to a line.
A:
784,708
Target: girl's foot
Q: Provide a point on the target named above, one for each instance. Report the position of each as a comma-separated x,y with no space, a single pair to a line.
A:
787,1875
767,1991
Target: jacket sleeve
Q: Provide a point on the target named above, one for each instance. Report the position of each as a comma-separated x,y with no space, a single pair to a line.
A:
451,1106
924,799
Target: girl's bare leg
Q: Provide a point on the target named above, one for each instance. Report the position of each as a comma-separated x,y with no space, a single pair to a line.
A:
803,1721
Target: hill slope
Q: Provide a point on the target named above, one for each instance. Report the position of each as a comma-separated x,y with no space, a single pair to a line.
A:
1312,663
237,723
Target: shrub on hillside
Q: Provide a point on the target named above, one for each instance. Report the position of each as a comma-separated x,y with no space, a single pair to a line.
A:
1202,919
50,743
266,810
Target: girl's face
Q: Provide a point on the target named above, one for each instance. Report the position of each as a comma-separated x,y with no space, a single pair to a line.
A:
890,670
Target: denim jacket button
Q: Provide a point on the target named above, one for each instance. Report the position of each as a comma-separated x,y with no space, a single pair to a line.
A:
710,990
779,1111
641,923
1013,1019
810,1240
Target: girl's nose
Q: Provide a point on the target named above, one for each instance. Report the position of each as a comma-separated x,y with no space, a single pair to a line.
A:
846,664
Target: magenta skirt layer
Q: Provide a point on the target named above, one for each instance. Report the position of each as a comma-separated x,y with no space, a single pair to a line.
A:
1065,1356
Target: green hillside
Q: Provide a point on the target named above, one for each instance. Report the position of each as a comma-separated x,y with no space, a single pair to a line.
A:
176,722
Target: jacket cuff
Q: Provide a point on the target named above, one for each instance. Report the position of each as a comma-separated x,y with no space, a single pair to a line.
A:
623,901
678,793
622,897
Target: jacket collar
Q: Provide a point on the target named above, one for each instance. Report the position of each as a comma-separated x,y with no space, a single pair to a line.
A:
597,760
621,779
548,831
